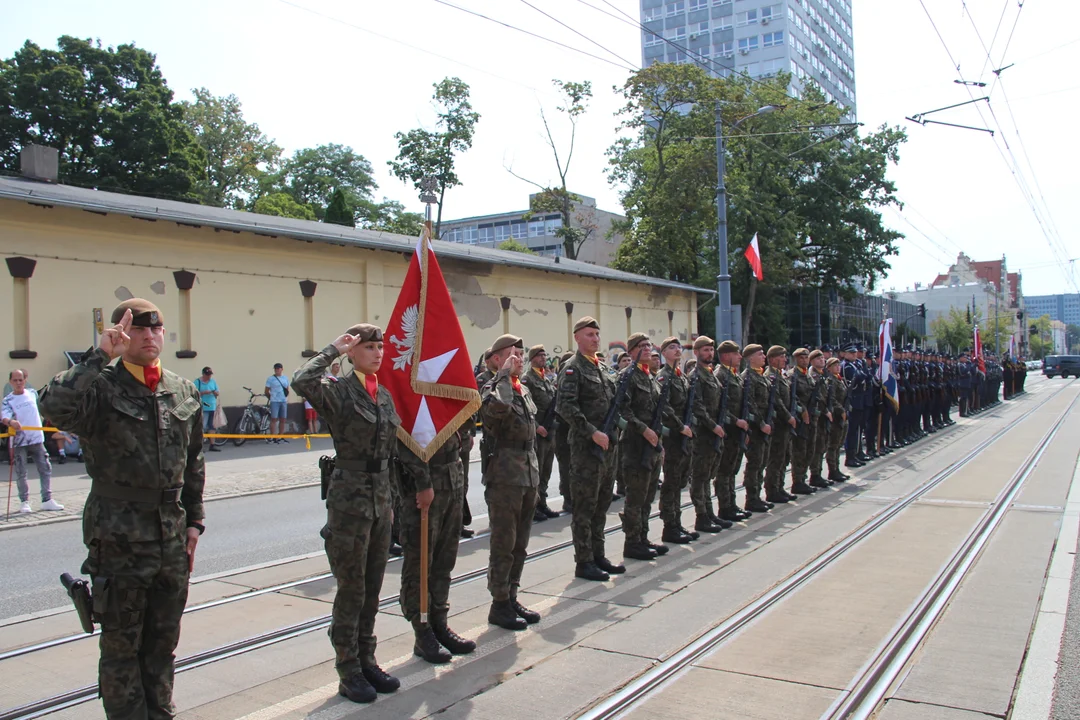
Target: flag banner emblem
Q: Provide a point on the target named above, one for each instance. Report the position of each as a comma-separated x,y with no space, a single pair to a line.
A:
885,370
977,350
426,366
753,256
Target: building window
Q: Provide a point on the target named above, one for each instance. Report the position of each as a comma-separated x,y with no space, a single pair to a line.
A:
749,17
676,34
748,44
772,39
452,235
652,39
675,8
502,233
726,49
724,23
698,5
487,234
718,3
771,67
468,235
768,13
519,230
703,26
552,225
536,228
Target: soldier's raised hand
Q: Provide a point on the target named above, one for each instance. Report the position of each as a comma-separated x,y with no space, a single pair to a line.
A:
115,340
345,343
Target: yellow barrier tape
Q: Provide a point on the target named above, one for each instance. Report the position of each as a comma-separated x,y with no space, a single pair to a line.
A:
227,436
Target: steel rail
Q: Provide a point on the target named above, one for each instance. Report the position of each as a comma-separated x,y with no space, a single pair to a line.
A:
654,679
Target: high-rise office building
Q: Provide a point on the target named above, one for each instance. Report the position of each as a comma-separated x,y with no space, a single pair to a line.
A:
811,39
1064,307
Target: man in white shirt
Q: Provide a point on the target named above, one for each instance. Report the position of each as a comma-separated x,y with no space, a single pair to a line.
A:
20,408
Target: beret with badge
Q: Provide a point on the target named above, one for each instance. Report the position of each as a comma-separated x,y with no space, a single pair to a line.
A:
143,313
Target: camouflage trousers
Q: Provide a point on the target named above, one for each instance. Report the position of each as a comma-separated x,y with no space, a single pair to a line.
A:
757,457
703,468
802,451
466,461
730,461
562,458
140,589
779,446
510,516
591,481
838,432
444,532
821,445
357,548
676,476
545,458
640,471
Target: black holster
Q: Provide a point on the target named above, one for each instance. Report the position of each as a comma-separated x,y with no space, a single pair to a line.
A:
326,469
79,592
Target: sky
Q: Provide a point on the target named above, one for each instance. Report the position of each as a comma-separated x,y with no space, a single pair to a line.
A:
355,72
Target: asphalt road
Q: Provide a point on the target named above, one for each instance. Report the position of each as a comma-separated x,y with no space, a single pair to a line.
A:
241,532
1067,690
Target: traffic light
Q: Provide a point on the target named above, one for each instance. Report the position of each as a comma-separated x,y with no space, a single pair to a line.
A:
1019,314
1034,329
922,310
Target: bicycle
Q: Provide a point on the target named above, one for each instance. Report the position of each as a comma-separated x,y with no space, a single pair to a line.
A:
255,420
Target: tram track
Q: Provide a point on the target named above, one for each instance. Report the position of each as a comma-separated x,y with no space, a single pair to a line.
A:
867,691
87,693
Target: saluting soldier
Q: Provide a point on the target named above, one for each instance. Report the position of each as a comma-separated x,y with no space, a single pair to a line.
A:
709,436
510,481
810,401
543,395
757,452
562,442
363,424
141,433
586,392
731,458
822,421
482,378
838,424
676,461
783,423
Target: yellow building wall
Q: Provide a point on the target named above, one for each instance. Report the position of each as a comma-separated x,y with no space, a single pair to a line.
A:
246,306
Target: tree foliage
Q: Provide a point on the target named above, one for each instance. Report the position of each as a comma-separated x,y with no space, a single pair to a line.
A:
282,204
389,216
237,153
339,212
109,113
513,245
1072,338
430,153
810,190
312,175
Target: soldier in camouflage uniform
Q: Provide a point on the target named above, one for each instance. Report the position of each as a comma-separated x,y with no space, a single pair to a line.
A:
823,422
562,442
810,401
363,424
482,378
785,422
709,435
838,425
676,461
543,395
639,448
141,433
586,392
440,488
727,373
510,481
757,452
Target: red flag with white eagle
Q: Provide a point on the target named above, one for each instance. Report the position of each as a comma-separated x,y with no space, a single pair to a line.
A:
426,367
753,255
977,349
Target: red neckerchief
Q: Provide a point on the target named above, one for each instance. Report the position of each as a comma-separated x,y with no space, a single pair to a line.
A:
151,377
515,382
371,382
593,359
678,372
644,367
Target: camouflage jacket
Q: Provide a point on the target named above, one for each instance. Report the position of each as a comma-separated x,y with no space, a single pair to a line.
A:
706,403
734,384
638,404
839,396
808,383
132,438
676,400
445,470
781,410
757,385
364,431
510,428
542,391
585,394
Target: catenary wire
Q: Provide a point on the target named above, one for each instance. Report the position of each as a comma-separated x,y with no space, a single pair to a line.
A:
993,40
578,33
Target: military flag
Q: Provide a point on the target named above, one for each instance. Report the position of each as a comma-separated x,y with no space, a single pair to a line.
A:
426,367
977,351
753,255
885,369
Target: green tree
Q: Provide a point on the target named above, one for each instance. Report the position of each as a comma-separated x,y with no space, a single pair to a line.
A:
1072,337
237,153
339,212
283,205
1041,342
512,245
430,153
109,113
389,216
955,330
312,175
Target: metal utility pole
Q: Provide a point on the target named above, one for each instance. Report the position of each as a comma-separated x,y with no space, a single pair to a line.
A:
723,279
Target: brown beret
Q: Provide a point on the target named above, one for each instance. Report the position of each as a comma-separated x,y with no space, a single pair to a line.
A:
800,352
143,313
728,346
751,349
670,341
505,341
832,361
703,341
586,322
365,332
816,354
776,351
691,363
536,350
565,356
634,340
487,354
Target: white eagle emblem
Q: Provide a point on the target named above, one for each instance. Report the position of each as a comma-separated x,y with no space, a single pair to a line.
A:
405,346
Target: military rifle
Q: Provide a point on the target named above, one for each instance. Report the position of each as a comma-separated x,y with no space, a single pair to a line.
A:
688,413
829,395
721,420
813,409
744,437
657,426
613,410
793,400
770,413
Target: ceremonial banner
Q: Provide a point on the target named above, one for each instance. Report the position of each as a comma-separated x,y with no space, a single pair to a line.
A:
885,370
426,367
977,351
753,255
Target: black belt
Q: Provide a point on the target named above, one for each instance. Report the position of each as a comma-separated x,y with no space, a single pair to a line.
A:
522,445
368,466
168,496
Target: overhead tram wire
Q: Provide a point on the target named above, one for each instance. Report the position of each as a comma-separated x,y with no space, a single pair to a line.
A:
578,33
993,40
630,68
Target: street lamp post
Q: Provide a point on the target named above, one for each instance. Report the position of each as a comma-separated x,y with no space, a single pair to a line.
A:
723,279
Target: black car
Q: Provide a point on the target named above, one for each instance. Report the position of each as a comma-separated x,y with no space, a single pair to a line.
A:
1063,365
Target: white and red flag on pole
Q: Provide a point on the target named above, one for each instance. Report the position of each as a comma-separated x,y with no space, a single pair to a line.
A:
753,255
977,350
426,367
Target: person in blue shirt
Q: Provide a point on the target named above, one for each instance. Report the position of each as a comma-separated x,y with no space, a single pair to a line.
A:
277,389
208,392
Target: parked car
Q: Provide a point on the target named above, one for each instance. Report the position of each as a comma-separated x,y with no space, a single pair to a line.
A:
1033,364
1061,365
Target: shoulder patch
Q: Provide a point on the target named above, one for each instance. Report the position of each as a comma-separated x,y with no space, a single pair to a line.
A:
333,378
569,371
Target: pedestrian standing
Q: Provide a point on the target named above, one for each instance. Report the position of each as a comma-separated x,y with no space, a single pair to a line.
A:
141,426
277,390
20,407
542,390
208,393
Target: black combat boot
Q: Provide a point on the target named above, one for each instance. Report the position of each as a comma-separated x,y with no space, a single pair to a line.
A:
659,549
755,505
689,533
502,614
638,551
539,515
589,571
530,616
674,534
466,533
731,514
451,640
704,524
609,567
818,481
838,477
427,646
716,519
543,507
382,681
801,488
357,688
395,549
776,496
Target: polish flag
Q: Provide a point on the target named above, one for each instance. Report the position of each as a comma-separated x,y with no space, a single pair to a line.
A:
426,366
753,255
